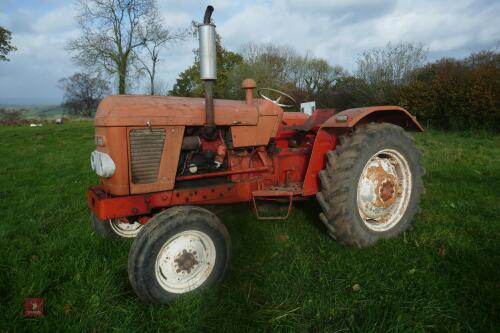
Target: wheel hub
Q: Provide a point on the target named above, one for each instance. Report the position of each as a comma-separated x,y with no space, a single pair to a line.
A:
185,261
386,191
125,229
383,190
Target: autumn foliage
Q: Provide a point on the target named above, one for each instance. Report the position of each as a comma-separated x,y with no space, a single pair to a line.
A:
456,94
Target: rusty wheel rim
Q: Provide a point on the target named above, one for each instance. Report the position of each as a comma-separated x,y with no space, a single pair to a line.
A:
185,261
125,229
384,190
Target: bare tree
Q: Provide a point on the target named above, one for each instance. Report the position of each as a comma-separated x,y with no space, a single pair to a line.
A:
83,92
386,69
314,75
5,44
110,32
281,67
155,38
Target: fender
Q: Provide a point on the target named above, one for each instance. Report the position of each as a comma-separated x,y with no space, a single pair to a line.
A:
389,114
326,138
324,142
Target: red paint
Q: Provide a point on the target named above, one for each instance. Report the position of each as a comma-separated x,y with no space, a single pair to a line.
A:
290,163
34,307
108,207
322,145
220,173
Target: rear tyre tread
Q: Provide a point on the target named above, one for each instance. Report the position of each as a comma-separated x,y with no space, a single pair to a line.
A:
337,181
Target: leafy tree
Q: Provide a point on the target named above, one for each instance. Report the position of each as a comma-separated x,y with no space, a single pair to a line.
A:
189,83
83,92
458,94
111,30
5,44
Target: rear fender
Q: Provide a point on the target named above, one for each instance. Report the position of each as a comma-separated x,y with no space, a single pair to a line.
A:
324,142
388,114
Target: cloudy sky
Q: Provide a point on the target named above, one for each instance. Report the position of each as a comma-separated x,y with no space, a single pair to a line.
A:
337,30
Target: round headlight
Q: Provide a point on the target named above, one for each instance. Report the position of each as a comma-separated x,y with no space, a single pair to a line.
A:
102,164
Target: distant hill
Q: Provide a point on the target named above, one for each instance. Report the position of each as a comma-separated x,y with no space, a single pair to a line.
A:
37,111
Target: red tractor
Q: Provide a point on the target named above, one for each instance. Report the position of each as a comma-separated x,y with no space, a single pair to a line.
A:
161,158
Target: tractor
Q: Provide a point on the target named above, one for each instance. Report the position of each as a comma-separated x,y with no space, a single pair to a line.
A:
161,159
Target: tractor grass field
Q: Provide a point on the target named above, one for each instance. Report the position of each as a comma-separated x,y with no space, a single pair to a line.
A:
444,275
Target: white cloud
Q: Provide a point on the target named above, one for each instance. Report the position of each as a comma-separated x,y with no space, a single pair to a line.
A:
58,20
335,30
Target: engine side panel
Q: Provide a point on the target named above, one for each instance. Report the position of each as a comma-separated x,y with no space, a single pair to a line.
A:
270,116
168,163
115,145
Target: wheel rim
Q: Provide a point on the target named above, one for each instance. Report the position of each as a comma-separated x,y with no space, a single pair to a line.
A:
384,190
125,229
185,261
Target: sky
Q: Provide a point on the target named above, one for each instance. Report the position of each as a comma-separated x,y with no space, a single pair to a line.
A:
336,30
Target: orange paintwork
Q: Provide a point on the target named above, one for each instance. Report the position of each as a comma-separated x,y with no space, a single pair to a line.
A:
267,127
323,143
389,113
132,111
168,164
115,145
289,165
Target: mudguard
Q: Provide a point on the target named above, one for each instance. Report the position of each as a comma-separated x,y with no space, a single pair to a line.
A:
389,114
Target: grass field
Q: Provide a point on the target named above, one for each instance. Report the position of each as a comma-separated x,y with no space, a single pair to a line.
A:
444,275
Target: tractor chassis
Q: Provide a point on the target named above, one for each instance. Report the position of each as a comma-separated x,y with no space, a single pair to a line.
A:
106,206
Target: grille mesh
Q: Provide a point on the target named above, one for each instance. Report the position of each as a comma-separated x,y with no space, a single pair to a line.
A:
146,147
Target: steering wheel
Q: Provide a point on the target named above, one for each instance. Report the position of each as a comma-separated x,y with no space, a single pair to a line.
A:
278,99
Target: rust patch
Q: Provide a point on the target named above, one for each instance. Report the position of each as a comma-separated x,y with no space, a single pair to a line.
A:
386,186
186,261
387,191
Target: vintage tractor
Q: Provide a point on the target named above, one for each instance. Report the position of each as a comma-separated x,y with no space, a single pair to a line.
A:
160,158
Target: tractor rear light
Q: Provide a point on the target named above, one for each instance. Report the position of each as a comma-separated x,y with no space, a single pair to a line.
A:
102,164
341,118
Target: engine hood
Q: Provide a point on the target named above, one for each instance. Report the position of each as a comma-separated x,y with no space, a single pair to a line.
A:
132,110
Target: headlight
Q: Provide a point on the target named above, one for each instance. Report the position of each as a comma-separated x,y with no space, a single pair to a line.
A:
102,164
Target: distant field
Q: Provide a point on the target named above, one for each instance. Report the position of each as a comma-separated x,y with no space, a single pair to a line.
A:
444,275
38,112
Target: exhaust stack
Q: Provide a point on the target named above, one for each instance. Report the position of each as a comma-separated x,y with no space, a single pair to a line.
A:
208,70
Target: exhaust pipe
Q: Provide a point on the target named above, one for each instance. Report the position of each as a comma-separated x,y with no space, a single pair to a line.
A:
208,70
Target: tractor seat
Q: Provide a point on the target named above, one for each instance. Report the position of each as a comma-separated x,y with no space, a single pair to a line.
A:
318,117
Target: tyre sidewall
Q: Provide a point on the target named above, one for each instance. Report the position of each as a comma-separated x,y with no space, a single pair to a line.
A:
151,240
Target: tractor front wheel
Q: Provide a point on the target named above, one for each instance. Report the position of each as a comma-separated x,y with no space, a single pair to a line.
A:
371,186
180,250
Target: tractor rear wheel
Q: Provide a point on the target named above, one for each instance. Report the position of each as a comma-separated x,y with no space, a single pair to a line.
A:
114,228
180,250
371,186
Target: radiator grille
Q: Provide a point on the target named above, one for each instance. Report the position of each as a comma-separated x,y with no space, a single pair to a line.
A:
146,147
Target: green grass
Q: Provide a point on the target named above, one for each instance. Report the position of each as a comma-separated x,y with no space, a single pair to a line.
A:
285,276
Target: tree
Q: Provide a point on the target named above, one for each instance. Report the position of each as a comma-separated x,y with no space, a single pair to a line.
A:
459,94
83,92
189,83
269,65
386,69
281,67
155,39
111,30
5,44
